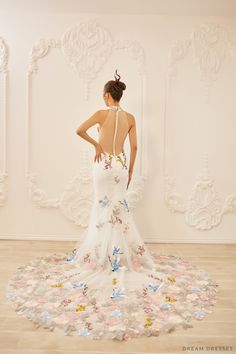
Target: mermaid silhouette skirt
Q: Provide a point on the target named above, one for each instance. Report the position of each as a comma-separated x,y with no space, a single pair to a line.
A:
111,286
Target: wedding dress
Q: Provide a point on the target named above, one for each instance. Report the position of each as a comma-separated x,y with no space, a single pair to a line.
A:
111,286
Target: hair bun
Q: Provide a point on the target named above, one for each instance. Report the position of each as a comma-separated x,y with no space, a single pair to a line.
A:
121,85
115,87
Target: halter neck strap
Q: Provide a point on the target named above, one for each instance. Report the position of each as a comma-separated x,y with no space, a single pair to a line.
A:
115,108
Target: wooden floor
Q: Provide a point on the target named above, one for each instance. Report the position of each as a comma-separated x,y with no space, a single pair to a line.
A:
20,336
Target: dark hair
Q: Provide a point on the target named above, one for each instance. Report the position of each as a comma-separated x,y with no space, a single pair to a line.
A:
115,87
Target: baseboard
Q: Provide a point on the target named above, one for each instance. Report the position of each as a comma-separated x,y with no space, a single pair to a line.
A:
203,240
37,237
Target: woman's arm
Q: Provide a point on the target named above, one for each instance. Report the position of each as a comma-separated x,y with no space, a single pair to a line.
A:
133,148
82,132
82,129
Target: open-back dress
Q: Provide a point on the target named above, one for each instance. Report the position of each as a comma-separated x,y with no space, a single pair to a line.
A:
111,285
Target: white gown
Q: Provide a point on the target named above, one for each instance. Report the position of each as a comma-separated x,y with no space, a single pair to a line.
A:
111,286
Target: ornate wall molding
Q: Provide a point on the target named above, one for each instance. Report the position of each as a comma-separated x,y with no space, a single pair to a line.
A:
3,100
209,43
77,198
87,47
203,210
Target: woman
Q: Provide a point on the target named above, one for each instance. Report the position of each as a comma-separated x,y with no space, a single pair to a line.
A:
111,286
113,91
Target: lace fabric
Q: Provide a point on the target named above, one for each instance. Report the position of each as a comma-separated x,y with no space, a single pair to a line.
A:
111,285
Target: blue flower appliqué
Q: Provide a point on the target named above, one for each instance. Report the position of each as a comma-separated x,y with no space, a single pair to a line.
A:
78,286
199,314
125,204
45,315
115,265
83,332
117,293
11,296
116,313
154,287
71,257
165,306
195,288
116,250
104,202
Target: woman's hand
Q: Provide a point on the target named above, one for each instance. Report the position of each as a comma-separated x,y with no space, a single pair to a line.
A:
129,178
99,152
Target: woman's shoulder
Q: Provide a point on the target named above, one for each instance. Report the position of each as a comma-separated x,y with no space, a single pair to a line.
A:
130,116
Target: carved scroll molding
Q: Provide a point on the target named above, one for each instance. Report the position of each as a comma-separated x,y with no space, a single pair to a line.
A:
209,43
87,47
203,210
3,105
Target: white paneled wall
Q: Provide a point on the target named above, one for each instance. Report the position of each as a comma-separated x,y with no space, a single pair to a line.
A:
180,73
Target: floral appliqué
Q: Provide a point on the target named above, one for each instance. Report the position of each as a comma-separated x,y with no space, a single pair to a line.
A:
117,293
78,286
148,322
84,332
123,162
116,313
116,250
99,225
114,219
125,204
199,314
117,179
58,285
170,298
115,264
108,162
71,257
80,308
104,202
87,258
152,276
141,250
171,279
154,287
126,228
114,281
66,302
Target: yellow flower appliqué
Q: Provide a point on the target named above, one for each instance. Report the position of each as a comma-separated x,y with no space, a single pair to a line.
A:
80,308
172,280
59,285
114,281
148,322
170,299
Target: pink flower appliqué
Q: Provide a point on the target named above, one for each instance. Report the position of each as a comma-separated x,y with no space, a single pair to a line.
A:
147,299
204,297
111,321
92,264
136,262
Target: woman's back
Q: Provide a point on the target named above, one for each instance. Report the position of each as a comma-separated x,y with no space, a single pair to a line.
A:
113,130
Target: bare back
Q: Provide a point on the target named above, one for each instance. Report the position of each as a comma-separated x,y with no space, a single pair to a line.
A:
114,130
